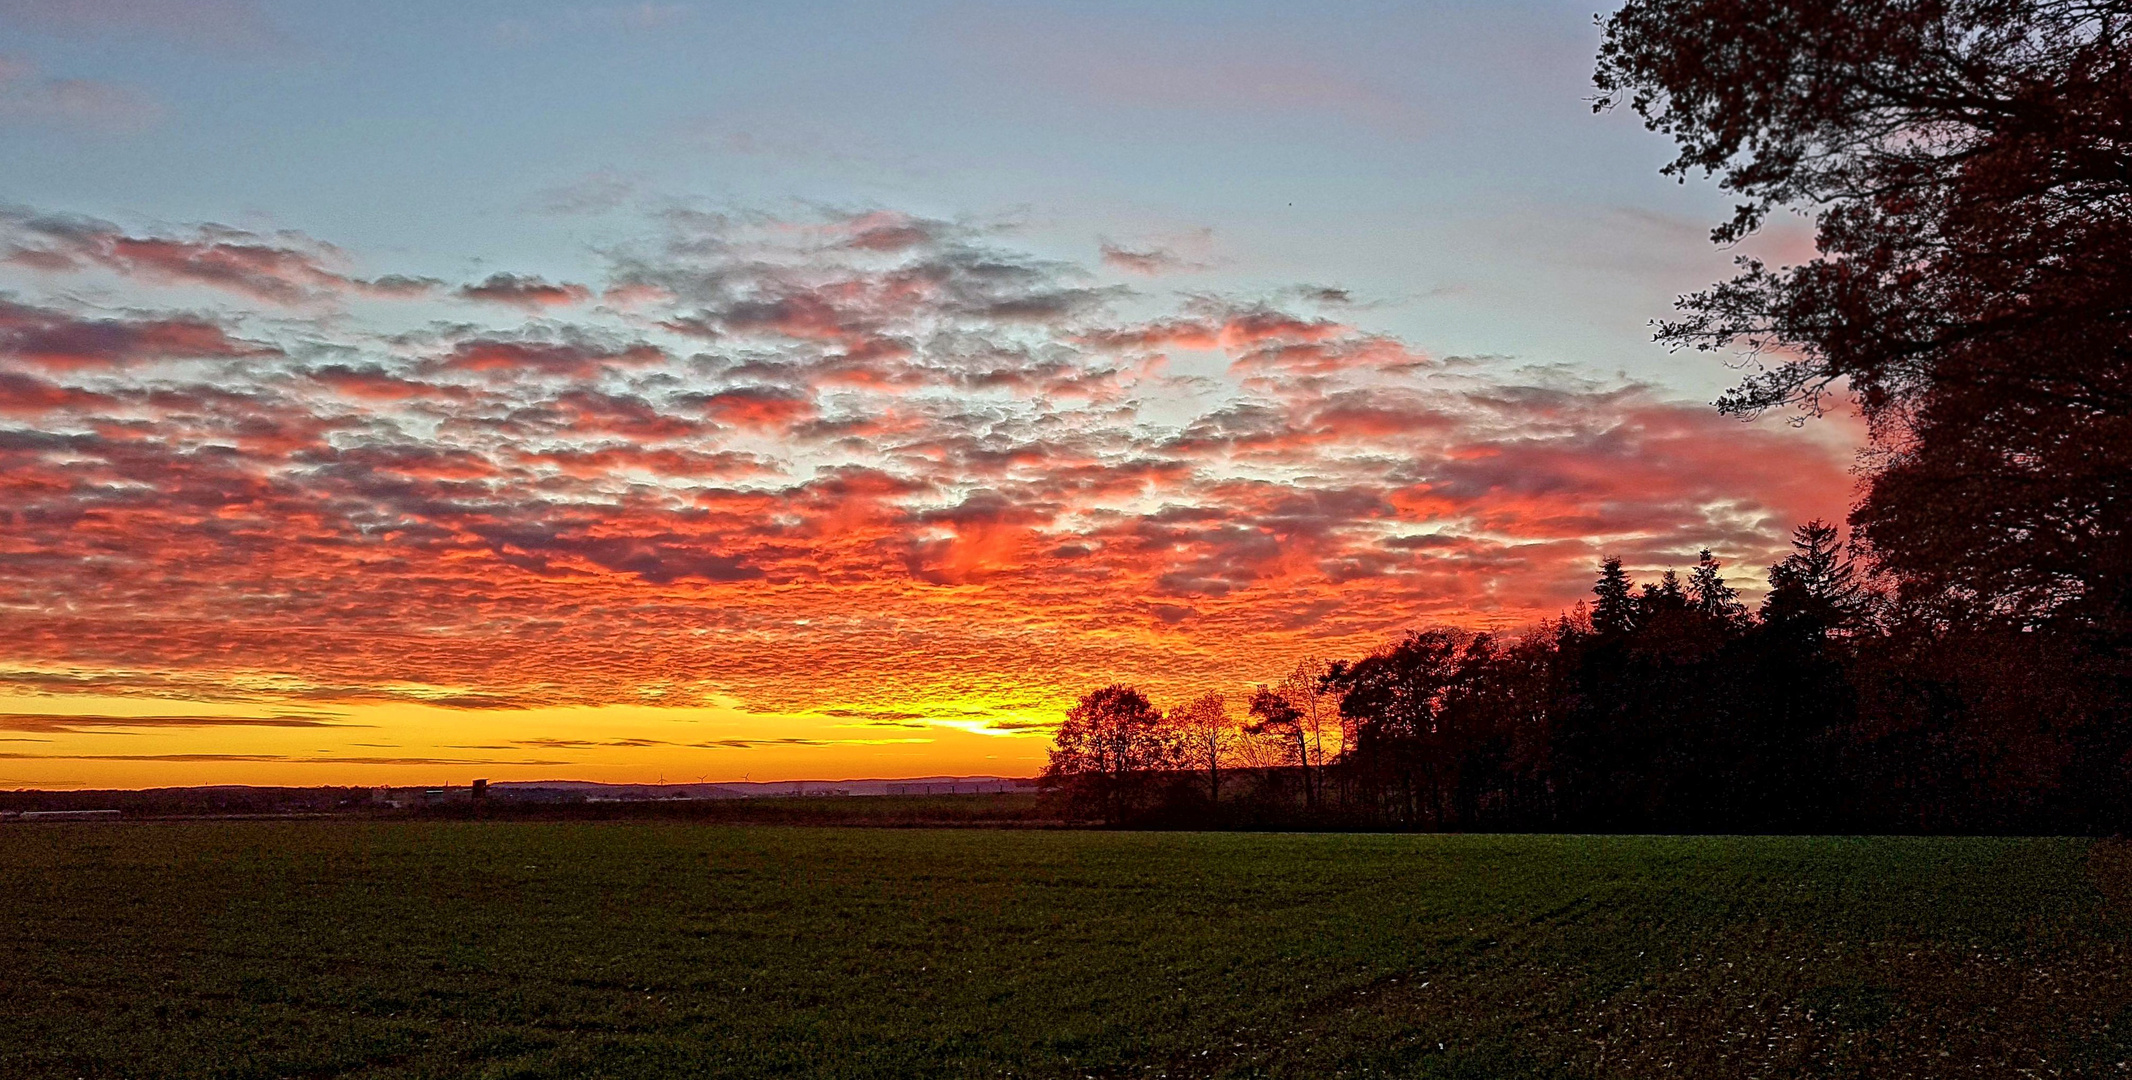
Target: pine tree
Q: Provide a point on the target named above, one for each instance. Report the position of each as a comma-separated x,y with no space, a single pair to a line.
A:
1669,585
1708,593
1615,611
1662,598
1815,588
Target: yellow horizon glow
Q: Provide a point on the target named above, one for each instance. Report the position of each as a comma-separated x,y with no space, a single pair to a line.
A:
400,744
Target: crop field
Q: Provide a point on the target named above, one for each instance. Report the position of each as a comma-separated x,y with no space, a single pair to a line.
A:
612,949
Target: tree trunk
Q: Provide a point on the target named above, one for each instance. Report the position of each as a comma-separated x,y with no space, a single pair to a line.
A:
1302,753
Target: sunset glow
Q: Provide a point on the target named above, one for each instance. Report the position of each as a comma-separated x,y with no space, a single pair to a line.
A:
739,491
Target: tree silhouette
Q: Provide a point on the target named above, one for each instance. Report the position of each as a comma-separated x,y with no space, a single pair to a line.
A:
1206,737
1815,590
1967,167
1614,612
1836,708
1709,595
1396,698
1275,715
1295,713
1107,751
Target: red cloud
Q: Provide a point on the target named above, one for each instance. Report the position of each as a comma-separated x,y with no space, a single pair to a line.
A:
269,273
57,341
375,384
592,412
611,460
768,407
488,355
1238,331
285,269
23,395
1146,262
888,231
1324,356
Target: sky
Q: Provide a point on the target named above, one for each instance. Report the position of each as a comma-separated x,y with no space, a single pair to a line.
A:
405,393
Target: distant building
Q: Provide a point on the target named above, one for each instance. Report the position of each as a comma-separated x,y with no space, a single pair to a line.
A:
537,795
403,798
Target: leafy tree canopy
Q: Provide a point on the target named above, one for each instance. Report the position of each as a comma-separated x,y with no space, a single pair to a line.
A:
1968,164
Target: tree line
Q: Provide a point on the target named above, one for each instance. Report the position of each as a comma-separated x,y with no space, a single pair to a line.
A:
1661,706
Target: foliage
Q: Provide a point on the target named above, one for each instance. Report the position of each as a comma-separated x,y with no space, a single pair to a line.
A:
1110,751
1969,167
1293,714
1207,737
1836,708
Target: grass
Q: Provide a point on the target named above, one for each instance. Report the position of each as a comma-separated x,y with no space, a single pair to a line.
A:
519,949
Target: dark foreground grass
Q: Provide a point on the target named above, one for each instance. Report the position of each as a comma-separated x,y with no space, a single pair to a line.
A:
520,949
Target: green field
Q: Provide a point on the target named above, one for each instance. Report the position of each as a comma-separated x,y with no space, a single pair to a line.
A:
517,949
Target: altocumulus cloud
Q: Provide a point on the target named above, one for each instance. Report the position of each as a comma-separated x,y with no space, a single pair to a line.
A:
859,461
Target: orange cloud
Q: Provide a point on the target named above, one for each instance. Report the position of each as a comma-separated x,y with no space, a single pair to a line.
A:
768,407
602,516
